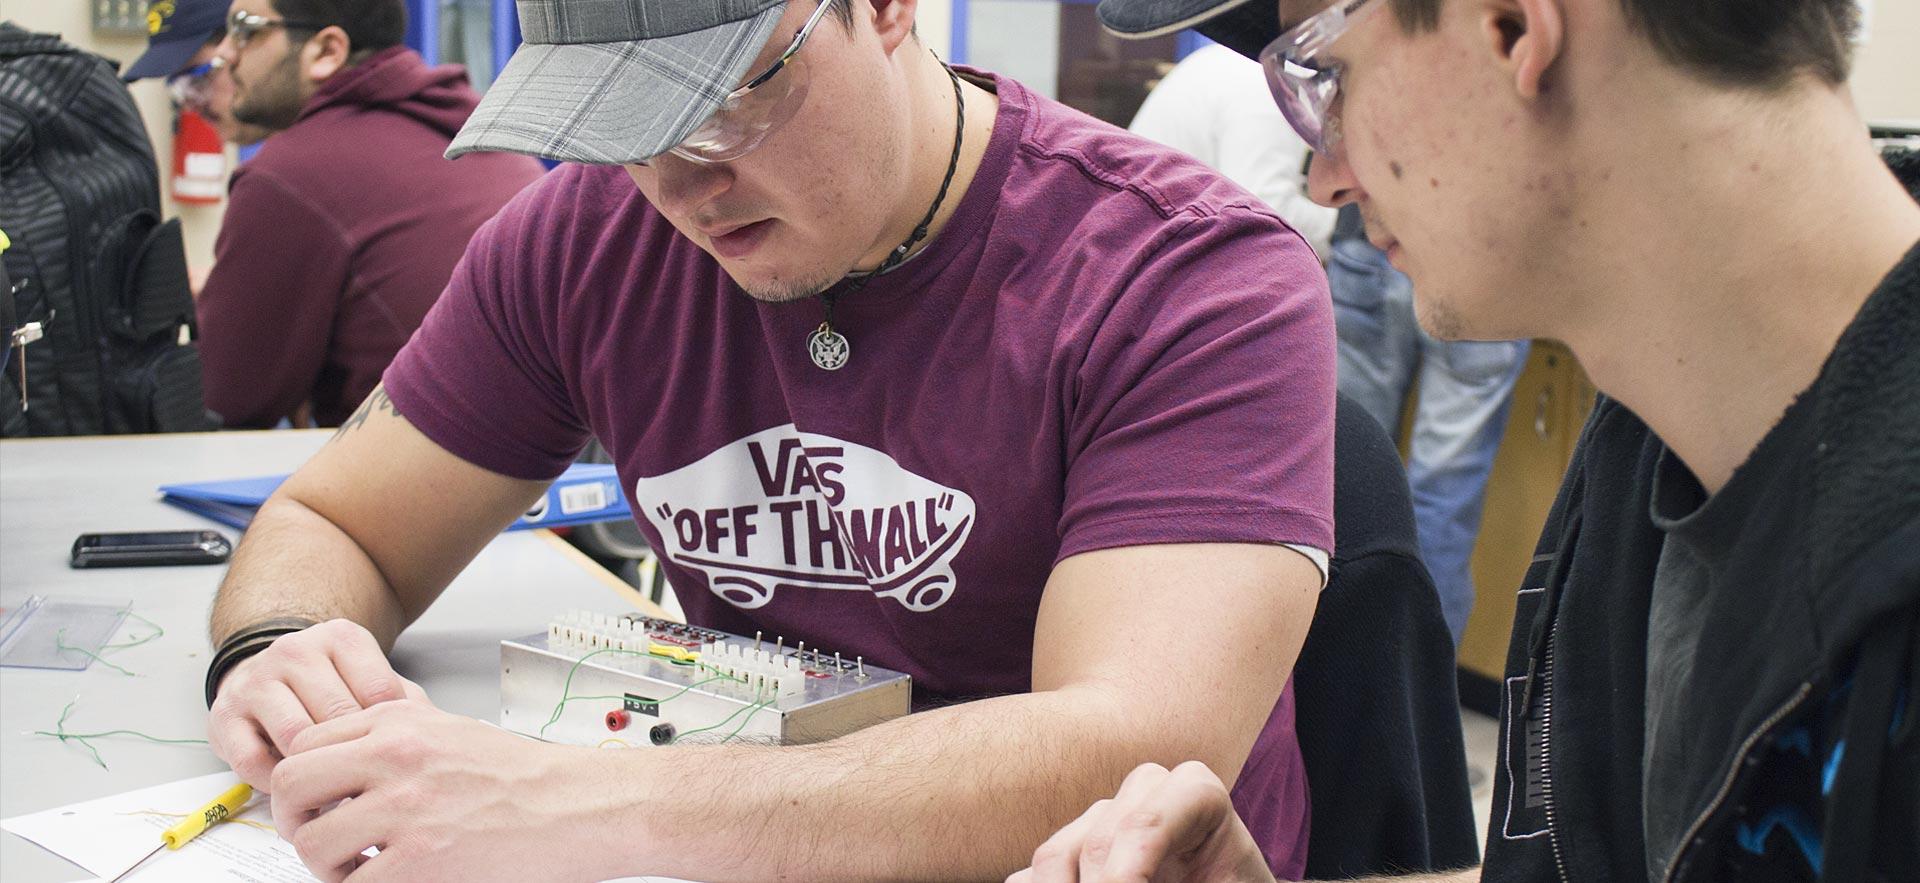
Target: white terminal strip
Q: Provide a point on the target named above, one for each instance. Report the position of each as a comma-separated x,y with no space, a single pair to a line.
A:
757,668
592,674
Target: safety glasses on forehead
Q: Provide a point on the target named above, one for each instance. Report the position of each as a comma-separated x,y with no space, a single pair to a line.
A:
753,111
1306,87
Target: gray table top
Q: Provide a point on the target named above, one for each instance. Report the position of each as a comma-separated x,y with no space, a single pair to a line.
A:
52,490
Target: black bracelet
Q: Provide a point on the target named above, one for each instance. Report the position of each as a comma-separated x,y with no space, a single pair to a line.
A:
247,642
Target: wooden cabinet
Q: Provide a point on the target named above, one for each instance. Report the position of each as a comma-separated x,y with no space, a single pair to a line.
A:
1551,401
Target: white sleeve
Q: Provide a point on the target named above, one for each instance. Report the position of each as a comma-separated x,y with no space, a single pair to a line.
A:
1259,151
1215,106
1319,557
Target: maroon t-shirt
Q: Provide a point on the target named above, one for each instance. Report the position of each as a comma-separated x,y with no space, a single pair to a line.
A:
1108,345
339,236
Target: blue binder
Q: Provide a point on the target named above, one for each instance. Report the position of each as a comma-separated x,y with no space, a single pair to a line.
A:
584,494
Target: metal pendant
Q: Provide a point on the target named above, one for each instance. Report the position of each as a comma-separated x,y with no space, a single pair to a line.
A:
828,348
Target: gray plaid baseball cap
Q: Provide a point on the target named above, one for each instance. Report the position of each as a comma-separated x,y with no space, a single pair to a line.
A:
1245,26
616,81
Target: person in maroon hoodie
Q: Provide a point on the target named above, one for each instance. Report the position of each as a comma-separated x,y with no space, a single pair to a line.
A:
344,228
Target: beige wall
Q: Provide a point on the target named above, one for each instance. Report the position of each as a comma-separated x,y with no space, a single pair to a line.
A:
934,22
1886,69
73,21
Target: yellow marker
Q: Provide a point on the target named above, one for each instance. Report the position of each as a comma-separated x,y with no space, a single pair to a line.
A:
222,808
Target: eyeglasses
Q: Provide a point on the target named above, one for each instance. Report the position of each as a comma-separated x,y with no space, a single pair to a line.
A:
751,112
243,25
189,87
1304,87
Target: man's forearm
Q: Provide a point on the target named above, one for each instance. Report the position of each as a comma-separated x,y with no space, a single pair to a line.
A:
294,562
963,792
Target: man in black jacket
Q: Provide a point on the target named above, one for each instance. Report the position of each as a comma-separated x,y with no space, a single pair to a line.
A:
1714,661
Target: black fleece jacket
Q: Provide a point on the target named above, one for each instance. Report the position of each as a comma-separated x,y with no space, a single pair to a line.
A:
1799,730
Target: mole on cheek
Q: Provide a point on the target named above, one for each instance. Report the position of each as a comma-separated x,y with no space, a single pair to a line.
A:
1395,168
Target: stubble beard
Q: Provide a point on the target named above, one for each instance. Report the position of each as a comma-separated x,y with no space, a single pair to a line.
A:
1441,320
780,291
274,101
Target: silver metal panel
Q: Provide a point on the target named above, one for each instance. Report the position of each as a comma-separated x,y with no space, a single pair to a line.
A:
698,704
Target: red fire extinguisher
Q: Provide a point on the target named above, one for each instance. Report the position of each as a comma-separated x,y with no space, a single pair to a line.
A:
199,160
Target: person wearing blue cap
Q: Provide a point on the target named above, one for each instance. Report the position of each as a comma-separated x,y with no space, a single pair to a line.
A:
1716,650
343,230
181,38
179,33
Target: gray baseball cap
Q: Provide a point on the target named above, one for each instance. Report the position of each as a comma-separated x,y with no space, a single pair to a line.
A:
616,81
1245,26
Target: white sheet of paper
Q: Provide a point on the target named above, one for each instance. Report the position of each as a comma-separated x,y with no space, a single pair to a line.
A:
106,836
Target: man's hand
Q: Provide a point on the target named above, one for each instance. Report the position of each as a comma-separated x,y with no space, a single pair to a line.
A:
365,535
1163,825
443,797
321,674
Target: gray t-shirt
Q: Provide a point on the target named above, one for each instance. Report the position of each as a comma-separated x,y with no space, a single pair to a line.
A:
1748,531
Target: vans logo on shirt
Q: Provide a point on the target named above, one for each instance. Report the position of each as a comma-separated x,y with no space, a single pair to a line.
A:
783,510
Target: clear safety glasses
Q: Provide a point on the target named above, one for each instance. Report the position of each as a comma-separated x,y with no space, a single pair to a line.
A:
754,110
243,26
190,88
1306,87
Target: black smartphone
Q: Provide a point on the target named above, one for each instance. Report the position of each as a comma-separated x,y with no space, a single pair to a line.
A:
149,548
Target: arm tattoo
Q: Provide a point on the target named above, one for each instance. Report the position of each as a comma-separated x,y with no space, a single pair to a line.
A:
377,400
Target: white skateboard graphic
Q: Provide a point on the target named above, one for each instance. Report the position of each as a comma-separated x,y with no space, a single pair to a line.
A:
786,510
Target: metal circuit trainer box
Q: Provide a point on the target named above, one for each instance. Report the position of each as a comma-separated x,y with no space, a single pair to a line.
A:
634,681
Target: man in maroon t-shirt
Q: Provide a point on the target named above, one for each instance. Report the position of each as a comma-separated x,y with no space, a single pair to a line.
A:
905,362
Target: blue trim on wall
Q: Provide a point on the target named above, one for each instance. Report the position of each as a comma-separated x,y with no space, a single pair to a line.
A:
506,33
1188,42
423,28
957,51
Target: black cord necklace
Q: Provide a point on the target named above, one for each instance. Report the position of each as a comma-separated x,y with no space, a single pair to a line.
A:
827,347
